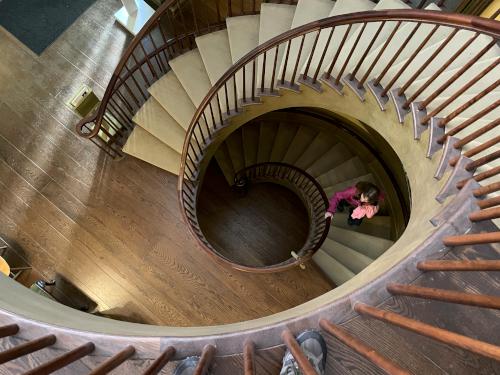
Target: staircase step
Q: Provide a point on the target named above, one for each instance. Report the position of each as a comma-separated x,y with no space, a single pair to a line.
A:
345,255
168,91
216,55
329,191
300,143
348,170
378,226
307,11
365,244
243,33
338,154
235,149
317,148
154,119
224,161
250,134
336,271
267,134
284,136
145,146
340,7
275,19
190,71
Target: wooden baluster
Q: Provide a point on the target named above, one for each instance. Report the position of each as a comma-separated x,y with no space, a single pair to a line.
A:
244,99
425,65
114,361
380,53
205,361
311,54
485,214
27,348
476,150
352,76
160,362
323,54
409,60
348,59
396,55
275,66
443,67
472,239
488,189
249,358
328,73
235,93
158,59
297,353
9,330
459,265
148,62
487,203
254,76
451,296
360,347
462,90
481,176
469,103
427,330
482,161
263,75
299,54
137,83
472,120
286,62
63,360
457,75
421,4
227,98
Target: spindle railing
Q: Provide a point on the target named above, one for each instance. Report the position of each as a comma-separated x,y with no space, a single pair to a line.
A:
302,184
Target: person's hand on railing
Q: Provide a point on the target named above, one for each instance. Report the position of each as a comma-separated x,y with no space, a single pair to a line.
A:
328,215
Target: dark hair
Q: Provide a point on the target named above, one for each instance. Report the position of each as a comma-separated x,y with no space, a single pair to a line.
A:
369,190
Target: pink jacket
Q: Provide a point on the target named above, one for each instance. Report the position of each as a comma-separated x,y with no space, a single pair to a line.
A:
348,195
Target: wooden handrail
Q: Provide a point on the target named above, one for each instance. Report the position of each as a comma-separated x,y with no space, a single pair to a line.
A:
297,353
459,265
491,302
435,333
27,348
360,347
114,361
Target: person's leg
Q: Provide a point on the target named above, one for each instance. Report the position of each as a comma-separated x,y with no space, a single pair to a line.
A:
314,347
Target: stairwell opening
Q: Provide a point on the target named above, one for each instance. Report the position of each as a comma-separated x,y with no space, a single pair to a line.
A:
258,225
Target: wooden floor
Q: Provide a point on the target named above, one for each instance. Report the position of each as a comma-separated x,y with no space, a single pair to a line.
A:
113,229
258,229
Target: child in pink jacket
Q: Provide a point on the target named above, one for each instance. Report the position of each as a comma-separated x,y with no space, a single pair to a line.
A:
362,199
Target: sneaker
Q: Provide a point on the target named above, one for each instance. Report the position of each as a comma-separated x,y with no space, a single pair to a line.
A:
314,347
187,366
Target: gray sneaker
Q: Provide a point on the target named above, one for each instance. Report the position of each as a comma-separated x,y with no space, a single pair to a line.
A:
314,347
187,366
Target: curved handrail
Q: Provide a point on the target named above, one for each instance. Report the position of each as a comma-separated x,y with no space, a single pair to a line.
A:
193,149
125,105
312,192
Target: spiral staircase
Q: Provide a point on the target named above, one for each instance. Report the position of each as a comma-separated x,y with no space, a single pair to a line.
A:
424,80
